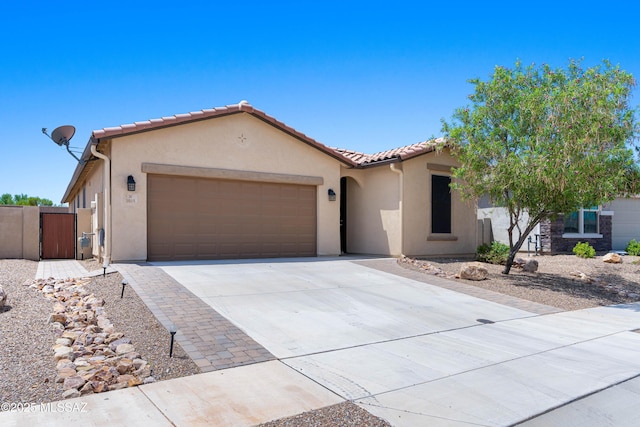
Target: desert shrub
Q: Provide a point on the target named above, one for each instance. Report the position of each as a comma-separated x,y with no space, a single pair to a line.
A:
495,253
584,250
633,248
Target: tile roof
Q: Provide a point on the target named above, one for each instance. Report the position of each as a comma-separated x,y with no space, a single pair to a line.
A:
349,157
400,153
241,107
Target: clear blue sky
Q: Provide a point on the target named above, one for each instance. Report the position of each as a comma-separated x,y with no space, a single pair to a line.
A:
368,76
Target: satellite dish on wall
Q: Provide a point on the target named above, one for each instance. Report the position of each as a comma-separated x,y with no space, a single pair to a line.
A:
61,136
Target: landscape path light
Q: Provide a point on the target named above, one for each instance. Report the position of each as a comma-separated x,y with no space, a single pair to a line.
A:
172,331
124,283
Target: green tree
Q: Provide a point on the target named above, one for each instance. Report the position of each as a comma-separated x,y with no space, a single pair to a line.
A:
545,141
6,199
24,200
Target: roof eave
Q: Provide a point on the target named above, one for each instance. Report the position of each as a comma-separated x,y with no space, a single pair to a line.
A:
80,167
179,119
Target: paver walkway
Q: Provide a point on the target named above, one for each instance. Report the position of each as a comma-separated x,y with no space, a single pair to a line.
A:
68,268
211,340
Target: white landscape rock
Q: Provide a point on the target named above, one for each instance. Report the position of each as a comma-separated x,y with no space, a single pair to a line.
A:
64,352
612,258
91,357
73,382
531,266
124,349
71,393
528,265
473,271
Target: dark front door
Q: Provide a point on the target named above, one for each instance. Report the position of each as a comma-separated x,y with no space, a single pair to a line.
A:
343,215
58,235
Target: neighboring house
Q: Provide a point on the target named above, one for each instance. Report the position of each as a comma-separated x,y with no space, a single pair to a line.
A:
594,225
498,226
625,222
233,182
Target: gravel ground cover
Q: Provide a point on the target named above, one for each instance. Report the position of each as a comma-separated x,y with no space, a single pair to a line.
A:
28,370
556,283
341,415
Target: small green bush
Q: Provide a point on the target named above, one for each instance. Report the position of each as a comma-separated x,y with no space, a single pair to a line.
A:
495,253
633,248
584,250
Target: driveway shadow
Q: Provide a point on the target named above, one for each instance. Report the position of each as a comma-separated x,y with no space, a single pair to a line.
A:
578,288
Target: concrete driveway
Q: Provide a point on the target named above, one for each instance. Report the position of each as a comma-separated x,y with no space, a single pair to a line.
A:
417,354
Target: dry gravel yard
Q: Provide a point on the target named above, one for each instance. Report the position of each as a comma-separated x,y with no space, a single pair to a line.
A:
553,284
28,370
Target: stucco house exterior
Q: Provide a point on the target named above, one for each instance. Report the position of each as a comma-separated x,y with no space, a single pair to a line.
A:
234,182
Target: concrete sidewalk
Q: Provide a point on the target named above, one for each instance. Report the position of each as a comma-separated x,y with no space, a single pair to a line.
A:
409,352
243,396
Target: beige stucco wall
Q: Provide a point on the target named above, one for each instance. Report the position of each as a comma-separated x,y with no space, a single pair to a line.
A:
238,142
11,232
83,224
418,240
20,232
92,185
31,233
373,211
378,197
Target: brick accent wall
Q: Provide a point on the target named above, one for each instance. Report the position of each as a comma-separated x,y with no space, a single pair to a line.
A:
552,241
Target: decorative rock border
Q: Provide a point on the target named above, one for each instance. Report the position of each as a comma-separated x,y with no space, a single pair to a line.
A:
91,356
468,271
426,267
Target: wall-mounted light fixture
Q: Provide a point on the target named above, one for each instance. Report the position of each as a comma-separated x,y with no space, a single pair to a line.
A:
131,183
332,195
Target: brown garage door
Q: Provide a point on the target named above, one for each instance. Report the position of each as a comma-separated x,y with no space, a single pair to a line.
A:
196,218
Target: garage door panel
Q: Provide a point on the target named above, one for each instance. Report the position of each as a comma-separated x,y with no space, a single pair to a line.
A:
194,218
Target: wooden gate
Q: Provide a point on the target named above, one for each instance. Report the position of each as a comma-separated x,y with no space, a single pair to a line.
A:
58,231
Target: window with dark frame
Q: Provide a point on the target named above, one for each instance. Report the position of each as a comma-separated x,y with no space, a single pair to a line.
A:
440,204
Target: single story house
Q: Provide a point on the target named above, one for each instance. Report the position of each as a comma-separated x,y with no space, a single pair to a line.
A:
234,182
